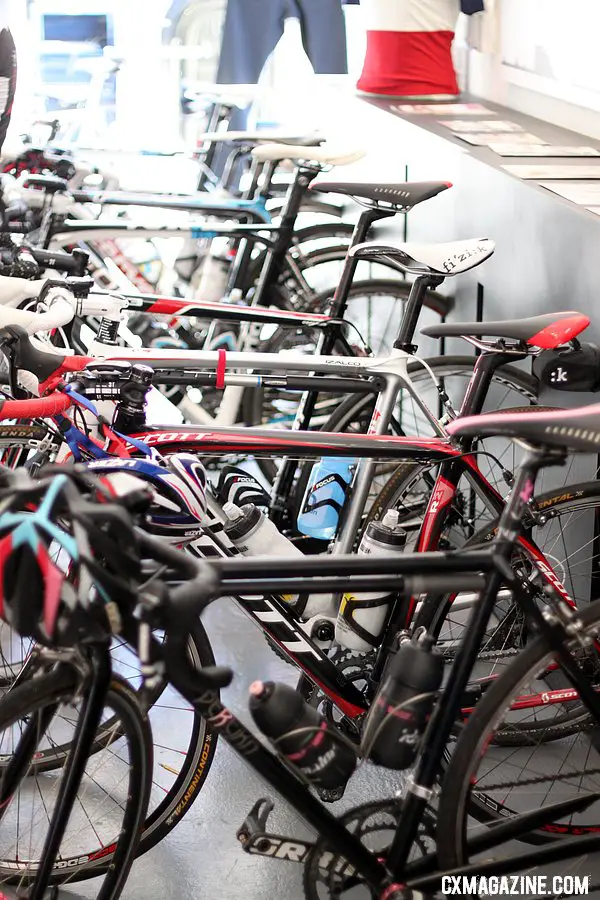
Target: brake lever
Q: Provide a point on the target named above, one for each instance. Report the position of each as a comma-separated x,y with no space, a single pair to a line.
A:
181,672
9,345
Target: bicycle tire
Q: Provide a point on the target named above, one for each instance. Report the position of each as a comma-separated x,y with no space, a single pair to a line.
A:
458,798
177,798
113,859
196,765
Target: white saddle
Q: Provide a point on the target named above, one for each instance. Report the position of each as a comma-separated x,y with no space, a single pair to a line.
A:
325,154
439,259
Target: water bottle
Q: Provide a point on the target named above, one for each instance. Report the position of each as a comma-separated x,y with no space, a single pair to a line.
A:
255,535
301,734
325,496
214,275
361,617
403,704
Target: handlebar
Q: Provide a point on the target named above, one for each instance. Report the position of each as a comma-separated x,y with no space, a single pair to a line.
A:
37,408
62,308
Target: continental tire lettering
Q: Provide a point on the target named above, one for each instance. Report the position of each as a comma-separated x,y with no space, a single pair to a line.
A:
198,775
561,498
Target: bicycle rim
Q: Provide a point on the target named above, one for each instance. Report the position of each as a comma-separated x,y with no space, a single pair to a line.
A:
105,822
487,782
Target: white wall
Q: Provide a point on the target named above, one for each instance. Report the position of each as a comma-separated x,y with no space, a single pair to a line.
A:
540,57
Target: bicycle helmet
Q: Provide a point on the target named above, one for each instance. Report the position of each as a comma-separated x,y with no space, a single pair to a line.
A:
60,552
178,486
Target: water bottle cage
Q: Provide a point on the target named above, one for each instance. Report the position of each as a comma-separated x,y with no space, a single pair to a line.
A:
350,604
310,505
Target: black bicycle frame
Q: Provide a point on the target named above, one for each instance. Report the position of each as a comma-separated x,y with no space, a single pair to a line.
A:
285,630
496,561
279,774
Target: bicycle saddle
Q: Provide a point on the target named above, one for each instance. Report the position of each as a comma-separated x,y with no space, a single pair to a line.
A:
402,194
226,94
430,259
547,331
577,430
327,155
262,137
50,183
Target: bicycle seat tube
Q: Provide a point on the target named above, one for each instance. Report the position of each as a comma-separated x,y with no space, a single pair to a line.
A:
448,709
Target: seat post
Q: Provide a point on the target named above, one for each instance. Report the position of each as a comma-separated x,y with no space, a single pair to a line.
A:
367,217
412,310
275,258
483,372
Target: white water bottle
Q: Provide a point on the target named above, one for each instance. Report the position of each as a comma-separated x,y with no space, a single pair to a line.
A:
254,534
214,274
361,617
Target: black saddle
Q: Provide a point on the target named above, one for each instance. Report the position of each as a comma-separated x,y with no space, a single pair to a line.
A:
402,194
577,430
547,331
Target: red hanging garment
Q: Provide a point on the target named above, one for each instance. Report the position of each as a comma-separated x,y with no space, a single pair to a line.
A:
409,48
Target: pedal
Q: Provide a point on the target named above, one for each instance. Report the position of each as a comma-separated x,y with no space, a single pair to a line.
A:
256,840
330,795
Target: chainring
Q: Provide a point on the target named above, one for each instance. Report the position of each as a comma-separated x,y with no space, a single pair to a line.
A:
356,668
328,875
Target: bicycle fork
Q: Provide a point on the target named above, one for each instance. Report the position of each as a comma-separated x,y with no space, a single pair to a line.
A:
92,706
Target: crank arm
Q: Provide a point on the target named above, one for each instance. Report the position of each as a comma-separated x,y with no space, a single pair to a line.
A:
256,840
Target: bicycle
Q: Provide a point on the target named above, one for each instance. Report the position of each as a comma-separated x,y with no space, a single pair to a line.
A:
316,666
281,272
388,871
284,626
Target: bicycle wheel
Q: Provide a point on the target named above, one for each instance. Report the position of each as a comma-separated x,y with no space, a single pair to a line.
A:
104,827
320,263
562,528
184,745
485,782
375,309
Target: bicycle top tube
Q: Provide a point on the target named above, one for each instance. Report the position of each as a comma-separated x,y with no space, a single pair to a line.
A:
175,306
277,442
276,362
89,230
200,202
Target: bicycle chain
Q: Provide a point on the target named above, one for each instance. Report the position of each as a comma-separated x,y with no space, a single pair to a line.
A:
486,654
540,779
